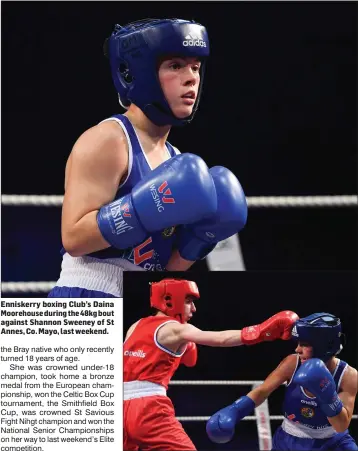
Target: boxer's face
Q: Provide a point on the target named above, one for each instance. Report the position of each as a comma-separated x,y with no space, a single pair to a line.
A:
304,350
180,78
189,308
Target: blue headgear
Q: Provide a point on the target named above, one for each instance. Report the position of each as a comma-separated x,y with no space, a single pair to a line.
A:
322,331
134,51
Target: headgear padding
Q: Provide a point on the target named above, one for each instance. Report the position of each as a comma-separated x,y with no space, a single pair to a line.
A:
323,331
168,296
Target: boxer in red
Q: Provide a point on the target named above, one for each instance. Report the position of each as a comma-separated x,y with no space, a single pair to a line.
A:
154,348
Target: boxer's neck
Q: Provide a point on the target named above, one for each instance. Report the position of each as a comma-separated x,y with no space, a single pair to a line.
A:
145,127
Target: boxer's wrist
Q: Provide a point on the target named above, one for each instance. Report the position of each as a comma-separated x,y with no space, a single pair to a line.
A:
244,406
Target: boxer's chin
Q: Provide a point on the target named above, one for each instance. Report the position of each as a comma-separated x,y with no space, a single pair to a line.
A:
182,111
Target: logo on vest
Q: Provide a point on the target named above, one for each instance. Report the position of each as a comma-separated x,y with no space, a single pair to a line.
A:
310,403
168,232
307,412
138,353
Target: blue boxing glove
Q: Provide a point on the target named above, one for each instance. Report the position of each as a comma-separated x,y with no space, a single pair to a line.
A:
196,241
179,191
221,426
316,378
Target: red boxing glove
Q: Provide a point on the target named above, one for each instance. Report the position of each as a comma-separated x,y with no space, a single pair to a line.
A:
190,355
278,326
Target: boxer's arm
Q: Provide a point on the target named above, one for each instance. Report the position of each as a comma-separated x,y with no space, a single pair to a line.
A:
277,327
281,374
97,163
130,330
221,426
348,395
183,333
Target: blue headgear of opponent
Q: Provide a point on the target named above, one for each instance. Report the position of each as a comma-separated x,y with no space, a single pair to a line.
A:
323,331
134,51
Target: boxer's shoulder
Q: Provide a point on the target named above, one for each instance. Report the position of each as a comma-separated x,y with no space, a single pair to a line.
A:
103,145
287,366
349,379
105,136
131,329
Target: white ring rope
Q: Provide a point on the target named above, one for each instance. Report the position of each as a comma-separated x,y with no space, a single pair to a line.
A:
272,417
17,200
303,201
27,287
214,382
250,418
262,201
223,382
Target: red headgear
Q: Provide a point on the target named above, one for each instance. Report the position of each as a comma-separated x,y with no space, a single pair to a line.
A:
169,295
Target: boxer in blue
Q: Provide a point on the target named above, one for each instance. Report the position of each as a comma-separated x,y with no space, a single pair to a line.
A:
320,392
132,201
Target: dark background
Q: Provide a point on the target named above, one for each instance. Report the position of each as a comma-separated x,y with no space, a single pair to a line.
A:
231,300
278,109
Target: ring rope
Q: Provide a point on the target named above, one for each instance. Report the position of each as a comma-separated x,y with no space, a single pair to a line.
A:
27,287
16,200
223,382
252,417
214,382
261,201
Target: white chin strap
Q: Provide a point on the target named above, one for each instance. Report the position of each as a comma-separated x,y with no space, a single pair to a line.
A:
121,104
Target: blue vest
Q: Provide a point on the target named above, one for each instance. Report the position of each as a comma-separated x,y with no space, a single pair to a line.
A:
154,252
298,407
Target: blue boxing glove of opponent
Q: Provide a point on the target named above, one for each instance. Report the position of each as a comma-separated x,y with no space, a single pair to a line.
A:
179,191
221,426
196,241
314,376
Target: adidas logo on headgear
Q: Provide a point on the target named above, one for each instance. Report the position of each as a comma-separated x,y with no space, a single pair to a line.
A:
193,41
294,332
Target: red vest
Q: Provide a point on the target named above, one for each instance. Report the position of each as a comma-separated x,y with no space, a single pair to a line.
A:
144,359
